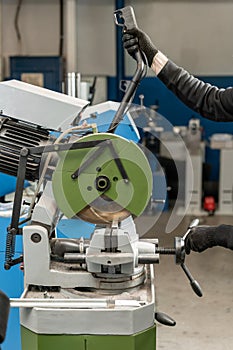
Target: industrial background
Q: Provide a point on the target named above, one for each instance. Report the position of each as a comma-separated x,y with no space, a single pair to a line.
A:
52,38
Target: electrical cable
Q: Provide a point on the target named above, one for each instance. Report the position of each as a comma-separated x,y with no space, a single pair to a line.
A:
18,8
92,90
61,42
136,82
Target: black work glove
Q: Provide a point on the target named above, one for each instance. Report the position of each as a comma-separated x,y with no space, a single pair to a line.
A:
135,39
202,237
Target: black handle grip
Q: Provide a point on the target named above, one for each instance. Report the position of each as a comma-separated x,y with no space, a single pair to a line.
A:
4,313
164,319
125,17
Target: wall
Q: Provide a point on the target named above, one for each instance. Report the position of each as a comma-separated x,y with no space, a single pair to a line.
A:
39,28
192,33
96,37
195,34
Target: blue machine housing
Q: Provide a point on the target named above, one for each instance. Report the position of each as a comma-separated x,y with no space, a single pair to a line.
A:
49,67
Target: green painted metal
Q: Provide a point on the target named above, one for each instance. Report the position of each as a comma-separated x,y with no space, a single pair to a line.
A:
145,340
73,195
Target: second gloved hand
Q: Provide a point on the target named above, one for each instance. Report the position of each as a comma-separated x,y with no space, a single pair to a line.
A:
135,39
202,237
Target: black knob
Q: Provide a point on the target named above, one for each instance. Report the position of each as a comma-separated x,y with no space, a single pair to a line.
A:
164,319
4,313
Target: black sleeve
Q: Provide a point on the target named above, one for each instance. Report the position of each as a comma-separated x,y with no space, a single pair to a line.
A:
202,237
208,100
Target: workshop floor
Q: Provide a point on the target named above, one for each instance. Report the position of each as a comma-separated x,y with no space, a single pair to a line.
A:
201,323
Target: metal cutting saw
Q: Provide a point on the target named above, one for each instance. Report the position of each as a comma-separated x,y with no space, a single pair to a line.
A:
83,293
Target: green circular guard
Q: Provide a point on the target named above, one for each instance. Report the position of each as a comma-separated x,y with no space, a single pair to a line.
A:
110,181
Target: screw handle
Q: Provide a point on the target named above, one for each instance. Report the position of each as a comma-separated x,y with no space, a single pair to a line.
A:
194,284
164,319
193,224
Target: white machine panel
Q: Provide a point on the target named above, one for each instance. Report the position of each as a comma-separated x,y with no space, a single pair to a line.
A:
38,105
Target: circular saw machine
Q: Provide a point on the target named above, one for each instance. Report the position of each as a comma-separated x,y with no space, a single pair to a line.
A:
94,293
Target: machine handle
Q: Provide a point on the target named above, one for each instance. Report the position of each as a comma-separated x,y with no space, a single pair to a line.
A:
193,224
193,283
125,17
4,313
164,319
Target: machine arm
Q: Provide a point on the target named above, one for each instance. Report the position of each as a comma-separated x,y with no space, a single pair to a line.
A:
126,15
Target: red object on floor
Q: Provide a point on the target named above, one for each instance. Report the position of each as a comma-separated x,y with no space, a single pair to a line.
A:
209,204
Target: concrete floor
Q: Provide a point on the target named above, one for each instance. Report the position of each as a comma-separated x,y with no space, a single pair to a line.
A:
201,323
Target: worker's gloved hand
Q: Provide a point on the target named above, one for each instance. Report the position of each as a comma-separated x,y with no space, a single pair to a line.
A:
135,39
202,237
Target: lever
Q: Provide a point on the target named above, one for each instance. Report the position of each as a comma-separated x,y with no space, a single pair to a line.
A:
164,319
179,252
4,313
193,224
179,243
125,18
194,284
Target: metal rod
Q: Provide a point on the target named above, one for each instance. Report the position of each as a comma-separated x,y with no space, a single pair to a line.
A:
72,303
120,57
64,147
129,93
148,259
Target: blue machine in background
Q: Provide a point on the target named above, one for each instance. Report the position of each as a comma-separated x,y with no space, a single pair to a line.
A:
155,92
45,71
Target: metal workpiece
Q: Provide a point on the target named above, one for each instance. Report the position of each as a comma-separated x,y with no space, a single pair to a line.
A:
148,259
75,258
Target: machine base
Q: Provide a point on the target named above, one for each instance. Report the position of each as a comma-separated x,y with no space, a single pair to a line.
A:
145,340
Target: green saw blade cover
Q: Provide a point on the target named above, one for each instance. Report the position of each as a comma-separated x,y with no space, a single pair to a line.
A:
73,195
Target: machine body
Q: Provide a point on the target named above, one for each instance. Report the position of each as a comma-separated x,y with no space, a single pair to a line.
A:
96,292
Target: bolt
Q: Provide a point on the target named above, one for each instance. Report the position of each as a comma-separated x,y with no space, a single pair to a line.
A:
36,237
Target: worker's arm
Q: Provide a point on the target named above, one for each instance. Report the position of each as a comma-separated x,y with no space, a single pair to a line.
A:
209,101
202,237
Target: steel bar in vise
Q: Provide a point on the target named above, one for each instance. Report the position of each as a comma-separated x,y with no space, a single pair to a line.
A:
65,147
